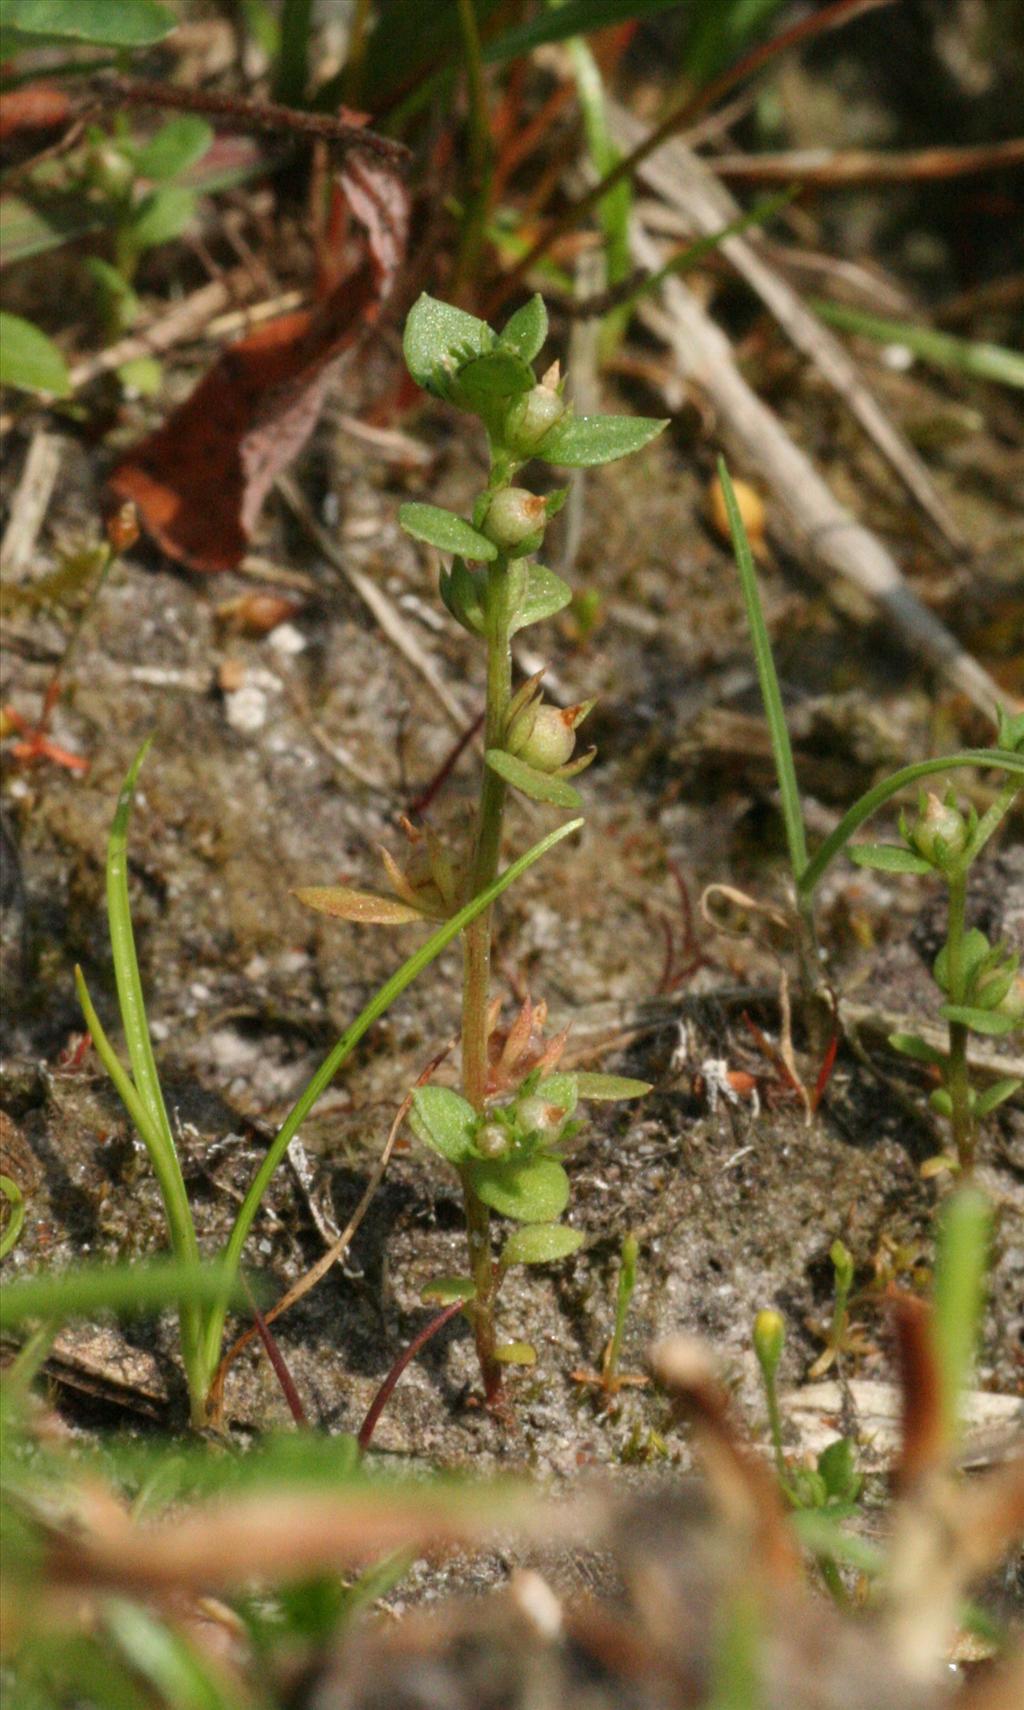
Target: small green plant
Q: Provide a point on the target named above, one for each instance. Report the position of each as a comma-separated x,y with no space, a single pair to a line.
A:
979,981
508,1131
609,1380
202,1323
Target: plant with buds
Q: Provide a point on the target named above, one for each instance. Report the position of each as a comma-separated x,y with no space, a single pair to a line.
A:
509,1129
979,982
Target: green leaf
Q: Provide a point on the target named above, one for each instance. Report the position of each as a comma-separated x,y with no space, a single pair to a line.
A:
975,949
940,1102
175,147
888,858
492,379
446,531
104,23
531,1190
449,1289
611,1086
443,1120
438,339
544,594
30,360
540,1244
912,1045
161,216
838,1469
539,786
516,1354
16,1217
996,1095
463,596
363,907
525,331
579,442
576,17
981,1020
131,1289
768,680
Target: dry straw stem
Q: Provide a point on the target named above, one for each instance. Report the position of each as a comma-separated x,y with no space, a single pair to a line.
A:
689,184
830,540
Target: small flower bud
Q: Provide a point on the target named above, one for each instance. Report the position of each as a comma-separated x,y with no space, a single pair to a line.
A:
109,169
537,1116
1011,1005
940,831
514,514
492,1140
123,528
549,741
769,1341
532,417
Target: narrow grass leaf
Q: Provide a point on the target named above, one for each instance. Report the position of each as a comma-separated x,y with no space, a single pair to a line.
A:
771,694
967,356
128,1289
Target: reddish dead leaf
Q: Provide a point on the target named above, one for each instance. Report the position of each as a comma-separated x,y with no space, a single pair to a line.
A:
200,480
37,107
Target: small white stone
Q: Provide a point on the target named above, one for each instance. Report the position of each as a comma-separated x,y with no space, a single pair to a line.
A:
246,709
287,639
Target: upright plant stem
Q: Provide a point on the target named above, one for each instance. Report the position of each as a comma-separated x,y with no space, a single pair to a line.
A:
477,963
958,1084
479,163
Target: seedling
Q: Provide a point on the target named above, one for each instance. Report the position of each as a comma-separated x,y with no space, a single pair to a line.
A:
202,1323
842,1336
609,1379
507,1132
979,981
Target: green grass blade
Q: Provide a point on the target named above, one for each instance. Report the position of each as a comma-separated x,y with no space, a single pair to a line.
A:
965,1231
613,210
771,694
381,1001
129,1289
967,356
872,800
126,964
692,254
15,1223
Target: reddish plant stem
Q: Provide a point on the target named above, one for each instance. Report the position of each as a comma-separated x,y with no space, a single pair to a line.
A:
383,1395
440,778
277,1360
240,114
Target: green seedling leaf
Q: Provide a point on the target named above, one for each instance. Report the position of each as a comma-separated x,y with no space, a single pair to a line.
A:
29,360
129,1289
610,1086
463,597
580,442
541,1244
161,216
444,1121
838,1470
526,330
539,786
446,531
449,1289
543,594
975,949
981,1020
103,23
996,1095
888,858
438,339
175,147
941,1102
533,1190
492,379
15,1222
912,1045
516,1354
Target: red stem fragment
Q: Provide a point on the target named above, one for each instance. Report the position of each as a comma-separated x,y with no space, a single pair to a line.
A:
383,1395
